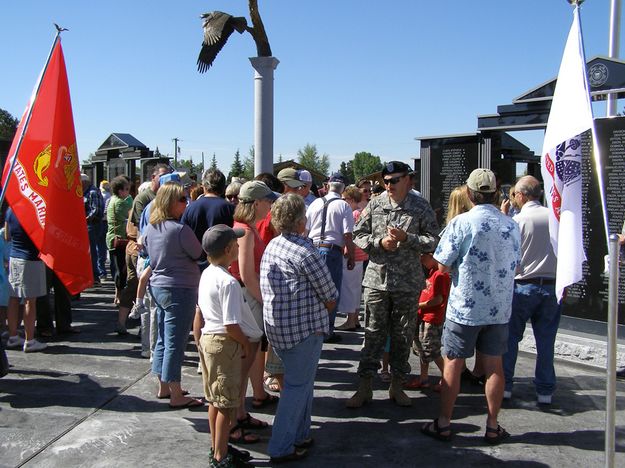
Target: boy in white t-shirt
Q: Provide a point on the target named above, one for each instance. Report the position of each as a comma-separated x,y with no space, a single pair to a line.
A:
228,327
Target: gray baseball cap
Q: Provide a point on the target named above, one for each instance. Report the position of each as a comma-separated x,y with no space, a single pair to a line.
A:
217,238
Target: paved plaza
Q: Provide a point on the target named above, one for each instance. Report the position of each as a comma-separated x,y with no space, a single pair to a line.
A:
91,402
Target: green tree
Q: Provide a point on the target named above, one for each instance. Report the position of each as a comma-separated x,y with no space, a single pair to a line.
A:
346,171
8,125
248,164
213,165
309,157
237,166
365,163
190,167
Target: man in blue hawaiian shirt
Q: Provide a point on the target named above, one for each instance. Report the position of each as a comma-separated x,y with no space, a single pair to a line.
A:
481,250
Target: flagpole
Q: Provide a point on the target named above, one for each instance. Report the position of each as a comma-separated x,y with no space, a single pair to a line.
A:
613,48
31,105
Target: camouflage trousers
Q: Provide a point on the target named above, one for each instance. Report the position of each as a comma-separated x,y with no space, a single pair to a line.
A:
391,314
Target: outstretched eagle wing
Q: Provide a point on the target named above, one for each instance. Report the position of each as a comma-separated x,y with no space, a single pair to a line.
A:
218,26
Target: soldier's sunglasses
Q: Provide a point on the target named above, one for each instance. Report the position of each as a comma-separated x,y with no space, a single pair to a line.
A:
393,180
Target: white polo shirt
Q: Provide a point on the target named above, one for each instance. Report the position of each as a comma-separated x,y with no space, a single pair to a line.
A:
339,220
537,257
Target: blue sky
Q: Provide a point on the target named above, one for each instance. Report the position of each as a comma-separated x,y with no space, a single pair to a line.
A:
354,75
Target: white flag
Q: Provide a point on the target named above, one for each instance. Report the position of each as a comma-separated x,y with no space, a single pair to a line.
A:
561,163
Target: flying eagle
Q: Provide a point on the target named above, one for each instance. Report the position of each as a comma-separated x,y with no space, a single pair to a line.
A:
218,26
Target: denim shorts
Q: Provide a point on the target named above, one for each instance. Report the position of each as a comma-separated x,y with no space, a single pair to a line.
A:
460,340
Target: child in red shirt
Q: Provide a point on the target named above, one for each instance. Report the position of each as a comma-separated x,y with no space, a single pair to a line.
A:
432,305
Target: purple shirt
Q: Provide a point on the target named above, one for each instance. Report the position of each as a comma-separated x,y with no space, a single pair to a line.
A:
173,250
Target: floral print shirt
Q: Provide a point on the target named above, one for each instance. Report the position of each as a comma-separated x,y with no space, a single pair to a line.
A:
483,249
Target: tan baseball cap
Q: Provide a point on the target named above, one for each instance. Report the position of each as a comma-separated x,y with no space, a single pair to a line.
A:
290,177
482,180
255,190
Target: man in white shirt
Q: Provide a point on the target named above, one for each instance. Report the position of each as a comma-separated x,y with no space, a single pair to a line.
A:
534,291
330,222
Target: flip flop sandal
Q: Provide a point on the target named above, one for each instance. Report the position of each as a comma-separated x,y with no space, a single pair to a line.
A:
246,438
413,384
271,384
502,435
184,393
192,403
433,430
268,400
248,422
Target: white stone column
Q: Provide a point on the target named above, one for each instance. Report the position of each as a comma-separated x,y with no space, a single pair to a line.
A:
263,112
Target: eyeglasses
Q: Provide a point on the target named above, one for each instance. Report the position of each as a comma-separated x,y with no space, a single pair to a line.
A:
393,180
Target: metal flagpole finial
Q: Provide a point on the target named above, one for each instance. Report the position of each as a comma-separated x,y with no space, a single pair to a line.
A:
575,2
59,29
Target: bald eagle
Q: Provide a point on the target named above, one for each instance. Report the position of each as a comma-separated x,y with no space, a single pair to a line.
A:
218,26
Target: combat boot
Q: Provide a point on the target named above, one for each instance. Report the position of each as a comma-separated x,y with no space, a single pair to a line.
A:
363,395
397,394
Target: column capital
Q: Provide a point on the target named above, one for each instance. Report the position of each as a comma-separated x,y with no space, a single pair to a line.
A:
261,64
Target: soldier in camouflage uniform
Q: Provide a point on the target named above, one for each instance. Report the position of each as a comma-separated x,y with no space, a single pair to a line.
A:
394,229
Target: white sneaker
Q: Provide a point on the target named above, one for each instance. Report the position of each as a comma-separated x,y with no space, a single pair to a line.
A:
136,311
544,399
507,394
15,342
33,346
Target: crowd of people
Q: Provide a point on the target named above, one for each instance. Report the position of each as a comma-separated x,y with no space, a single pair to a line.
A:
257,270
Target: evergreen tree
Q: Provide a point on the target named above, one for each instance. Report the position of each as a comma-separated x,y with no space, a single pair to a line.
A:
248,164
237,167
8,125
309,157
346,171
213,165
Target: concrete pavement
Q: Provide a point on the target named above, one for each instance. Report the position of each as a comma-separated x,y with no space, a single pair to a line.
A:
89,401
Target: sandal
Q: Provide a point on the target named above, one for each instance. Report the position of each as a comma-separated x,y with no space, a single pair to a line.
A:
245,438
268,400
432,429
271,384
248,422
385,376
501,435
413,384
164,397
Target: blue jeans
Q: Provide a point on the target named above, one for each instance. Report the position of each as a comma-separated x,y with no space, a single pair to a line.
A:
536,303
175,308
334,262
293,416
94,230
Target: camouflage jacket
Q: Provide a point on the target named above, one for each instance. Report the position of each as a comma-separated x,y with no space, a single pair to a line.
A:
399,270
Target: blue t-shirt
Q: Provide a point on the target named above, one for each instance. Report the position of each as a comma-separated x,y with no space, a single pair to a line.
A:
483,249
22,247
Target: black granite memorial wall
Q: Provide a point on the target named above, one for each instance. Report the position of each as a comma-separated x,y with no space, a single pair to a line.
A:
451,162
588,299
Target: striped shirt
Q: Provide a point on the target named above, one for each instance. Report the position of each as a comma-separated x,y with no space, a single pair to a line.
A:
294,282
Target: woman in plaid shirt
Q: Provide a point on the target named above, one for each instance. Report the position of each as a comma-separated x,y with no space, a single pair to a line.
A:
297,293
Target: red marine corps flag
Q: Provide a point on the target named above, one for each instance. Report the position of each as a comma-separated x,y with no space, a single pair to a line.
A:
41,177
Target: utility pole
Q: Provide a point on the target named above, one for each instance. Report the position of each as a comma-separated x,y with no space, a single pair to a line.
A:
176,140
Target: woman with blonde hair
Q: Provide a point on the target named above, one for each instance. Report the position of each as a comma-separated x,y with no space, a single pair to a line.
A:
173,249
458,203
